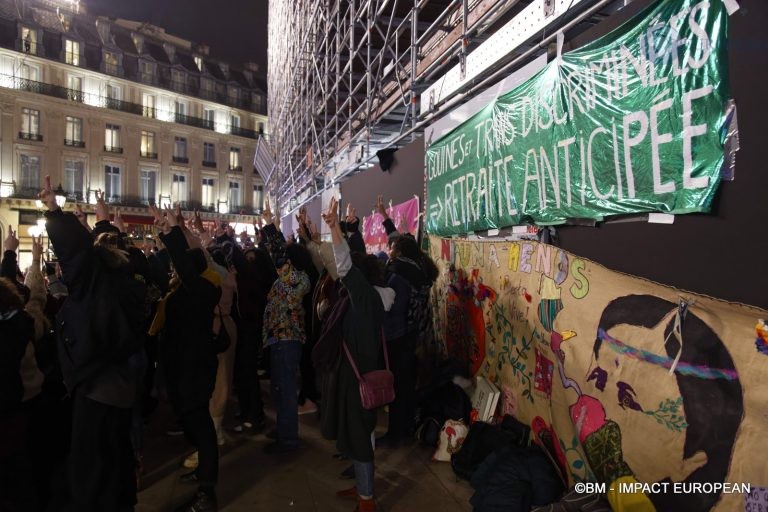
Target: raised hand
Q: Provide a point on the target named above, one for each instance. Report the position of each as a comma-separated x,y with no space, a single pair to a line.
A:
11,242
170,216
331,216
180,220
381,208
47,196
351,213
80,214
102,210
118,222
161,222
197,222
37,249
266,214
314,234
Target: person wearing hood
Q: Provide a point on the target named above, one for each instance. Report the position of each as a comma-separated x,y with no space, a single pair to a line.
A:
99,329
344,418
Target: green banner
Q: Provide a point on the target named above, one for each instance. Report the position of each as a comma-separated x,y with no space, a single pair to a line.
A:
633,122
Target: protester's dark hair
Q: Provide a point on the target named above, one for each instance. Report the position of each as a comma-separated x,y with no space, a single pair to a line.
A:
217,255
407,247
10,298
50,269
300,257
138,262
194,261
430,268
371,267
263,266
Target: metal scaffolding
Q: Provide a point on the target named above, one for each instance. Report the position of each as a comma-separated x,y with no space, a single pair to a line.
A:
346,76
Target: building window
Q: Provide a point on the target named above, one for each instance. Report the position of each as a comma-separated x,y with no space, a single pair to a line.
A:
258,102
147,185
207,197
181,109
208,117
258,197
148,102
209,154
72,52
113,92
112,182
75,83
199,63
148,144
111,63
138,42
147,71
30,124
112,139
234,121
235,200
234,94
178,80
73,135
74,171
179,189
180,150
29,174
28,40
234,159
207,89
29,72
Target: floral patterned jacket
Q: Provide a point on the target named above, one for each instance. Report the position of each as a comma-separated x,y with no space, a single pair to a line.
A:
284,315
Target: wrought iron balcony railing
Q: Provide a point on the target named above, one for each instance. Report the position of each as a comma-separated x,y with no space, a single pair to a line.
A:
31,136
74,143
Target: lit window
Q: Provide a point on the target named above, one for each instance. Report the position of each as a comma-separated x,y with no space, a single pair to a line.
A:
207,198
30,122
234,121
74,131
72,52
179,190
234,159
29,173
111,63
148,144
234,195
74,171
258,196
28,40
76,83
29,72
112,182
209,116
199,63
181,108
147,71
112,139
148,102
147,185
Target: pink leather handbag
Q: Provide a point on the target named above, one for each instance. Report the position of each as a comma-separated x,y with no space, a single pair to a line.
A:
377,388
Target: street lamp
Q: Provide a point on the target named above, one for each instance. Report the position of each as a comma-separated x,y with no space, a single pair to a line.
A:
61,196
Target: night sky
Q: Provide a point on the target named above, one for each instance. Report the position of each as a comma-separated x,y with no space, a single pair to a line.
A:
235,30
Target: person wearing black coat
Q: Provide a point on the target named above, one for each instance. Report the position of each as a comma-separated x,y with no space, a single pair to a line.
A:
99,327
189,357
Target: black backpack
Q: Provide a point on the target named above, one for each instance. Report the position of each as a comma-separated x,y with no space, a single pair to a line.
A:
482,440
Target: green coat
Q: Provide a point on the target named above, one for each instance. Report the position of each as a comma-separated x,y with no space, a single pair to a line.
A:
344,418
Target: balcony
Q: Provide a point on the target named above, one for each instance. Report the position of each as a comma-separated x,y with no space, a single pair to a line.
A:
147,154
180,160
28,47
113,149
31,136
149,112
208,163
123,106
74,143
243,132
236,168
194,121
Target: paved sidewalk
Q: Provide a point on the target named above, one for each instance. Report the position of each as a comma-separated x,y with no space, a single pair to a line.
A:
306,480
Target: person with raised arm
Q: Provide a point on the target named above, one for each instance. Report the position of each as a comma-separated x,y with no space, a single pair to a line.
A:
344,418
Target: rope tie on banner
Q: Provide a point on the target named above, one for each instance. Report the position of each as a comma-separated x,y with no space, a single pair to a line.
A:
560,42
731,6
677,330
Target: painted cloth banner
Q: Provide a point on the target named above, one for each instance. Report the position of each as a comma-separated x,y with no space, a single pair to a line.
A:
631,379
404,215
633,122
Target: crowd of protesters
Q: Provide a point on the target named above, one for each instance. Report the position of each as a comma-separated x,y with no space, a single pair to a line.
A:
90,343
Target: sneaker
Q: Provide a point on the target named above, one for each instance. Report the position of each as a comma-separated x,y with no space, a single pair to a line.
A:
309,407
275,448
200,502
365,505
191,461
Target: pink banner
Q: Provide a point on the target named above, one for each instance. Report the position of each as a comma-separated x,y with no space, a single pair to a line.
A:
406,219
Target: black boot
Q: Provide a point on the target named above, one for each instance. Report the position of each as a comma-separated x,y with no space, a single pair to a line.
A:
202,501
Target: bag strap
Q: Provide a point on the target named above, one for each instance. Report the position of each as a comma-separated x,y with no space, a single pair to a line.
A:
352,361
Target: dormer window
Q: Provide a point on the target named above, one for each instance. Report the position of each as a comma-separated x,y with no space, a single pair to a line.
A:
178,80
28,40
199,63
224,69
138,42
171,51
72,52
111,63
